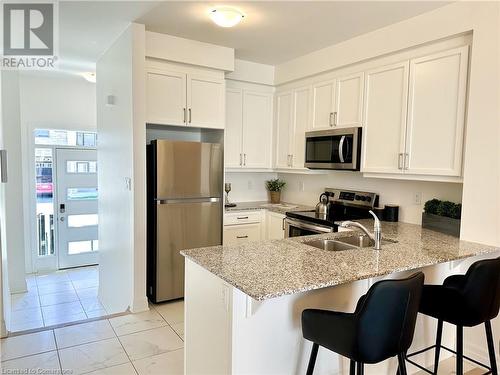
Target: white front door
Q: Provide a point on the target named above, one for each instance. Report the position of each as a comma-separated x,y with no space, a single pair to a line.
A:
76,207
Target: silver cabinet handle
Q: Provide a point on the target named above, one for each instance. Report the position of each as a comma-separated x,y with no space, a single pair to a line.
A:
245,160
241,160
190,115
283,224
242,217
184,111
335,118
291,160
341,149
406,161
400,161
3,166
241,236
330,120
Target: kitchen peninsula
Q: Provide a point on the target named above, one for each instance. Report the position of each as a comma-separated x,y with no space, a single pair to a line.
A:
243,303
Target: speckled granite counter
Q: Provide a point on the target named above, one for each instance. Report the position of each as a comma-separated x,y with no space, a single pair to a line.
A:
281,208
268,269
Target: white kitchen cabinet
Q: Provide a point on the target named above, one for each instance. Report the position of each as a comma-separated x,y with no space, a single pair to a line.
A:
386,92
205,101
248,137
180,98
436,113
275,228
349,101
323,103
234,128
284,115
166,97
237,234
257,129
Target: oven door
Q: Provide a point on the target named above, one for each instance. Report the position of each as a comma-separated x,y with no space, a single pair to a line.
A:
333,149
297,228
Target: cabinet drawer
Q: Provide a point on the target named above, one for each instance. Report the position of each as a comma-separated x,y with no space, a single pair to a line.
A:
236,234
244,217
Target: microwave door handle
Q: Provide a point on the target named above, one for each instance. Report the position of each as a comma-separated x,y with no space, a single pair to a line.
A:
341,149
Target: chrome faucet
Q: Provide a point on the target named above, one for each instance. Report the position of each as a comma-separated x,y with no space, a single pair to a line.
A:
377,230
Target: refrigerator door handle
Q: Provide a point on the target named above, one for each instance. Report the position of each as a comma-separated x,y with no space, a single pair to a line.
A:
187,200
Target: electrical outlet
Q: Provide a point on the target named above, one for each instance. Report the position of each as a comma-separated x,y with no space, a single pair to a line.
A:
417,198
250,184
301,186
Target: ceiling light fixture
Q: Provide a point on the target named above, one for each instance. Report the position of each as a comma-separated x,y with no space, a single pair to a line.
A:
226,16
89,76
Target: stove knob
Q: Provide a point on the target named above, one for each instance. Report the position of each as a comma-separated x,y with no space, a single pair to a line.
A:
368,199
357,197
363,198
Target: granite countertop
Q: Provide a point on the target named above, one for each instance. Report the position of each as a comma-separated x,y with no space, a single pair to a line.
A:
281,208
273,268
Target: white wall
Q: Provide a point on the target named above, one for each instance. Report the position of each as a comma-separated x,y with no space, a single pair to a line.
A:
248,187
12,199
122,253
55,101
398,192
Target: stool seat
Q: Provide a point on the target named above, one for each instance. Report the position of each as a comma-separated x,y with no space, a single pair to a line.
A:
381,326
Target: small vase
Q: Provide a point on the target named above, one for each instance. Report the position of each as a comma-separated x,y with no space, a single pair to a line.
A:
275,196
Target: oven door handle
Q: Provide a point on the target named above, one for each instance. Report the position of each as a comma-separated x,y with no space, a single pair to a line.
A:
312,227
341,149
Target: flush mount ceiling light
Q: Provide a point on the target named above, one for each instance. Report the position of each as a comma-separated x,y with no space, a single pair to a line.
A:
226,16
89,76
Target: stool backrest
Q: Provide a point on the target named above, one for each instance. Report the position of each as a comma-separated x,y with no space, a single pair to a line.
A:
481,288
387,317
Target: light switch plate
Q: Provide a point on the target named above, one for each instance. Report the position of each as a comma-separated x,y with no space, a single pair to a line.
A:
417,198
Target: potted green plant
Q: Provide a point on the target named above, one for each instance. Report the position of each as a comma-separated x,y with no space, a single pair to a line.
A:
275,186
442,216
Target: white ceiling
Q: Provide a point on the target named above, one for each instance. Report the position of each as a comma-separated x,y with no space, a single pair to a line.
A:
272,31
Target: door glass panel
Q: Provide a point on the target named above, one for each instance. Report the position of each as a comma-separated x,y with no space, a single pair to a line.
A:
78,221
76,166
95,245
81,194
44,201
78,247
65,138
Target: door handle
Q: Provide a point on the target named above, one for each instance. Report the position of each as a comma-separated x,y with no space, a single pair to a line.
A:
190,115
400,161
184,115
61,218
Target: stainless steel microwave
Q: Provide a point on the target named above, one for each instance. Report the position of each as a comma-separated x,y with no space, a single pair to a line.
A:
333,149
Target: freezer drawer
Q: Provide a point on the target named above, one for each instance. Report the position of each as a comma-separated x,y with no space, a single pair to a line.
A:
182,225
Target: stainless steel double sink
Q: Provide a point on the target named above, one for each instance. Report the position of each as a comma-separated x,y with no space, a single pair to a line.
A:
346,243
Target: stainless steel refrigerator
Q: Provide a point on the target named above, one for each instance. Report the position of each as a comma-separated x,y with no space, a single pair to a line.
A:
184,181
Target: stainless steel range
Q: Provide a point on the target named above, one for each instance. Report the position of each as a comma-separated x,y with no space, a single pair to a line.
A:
342,205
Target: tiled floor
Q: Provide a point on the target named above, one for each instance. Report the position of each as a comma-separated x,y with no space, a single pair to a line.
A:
57,298
145,343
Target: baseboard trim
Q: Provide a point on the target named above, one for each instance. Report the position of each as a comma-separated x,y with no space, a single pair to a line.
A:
479,353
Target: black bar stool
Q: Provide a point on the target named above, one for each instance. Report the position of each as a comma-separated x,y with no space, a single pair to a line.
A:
465,301
381,327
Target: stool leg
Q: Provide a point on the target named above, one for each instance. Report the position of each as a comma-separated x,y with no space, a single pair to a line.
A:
402,364
460,350
361,368
312,359
491,348
352,368
439,335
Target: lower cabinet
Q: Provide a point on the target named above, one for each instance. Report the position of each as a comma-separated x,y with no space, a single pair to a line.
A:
275,226
240,233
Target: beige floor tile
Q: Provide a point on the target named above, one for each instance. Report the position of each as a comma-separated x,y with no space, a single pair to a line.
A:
96,313
58,298
148,343
171,363
26,319
52,278
63,319
45,363
25,345
61,310
87,292
91,304
125,369
23,301
179,329
173,312
137,322
83,333
93,356
86,283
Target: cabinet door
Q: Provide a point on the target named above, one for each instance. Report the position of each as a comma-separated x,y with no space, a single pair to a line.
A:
386,92
205,102
436,113
275,227
323,104
234,128
237,234
301,108
165,97
257,129
349,101
284,106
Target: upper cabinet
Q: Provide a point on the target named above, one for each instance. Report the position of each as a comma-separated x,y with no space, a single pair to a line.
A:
249,127
184,98
338,102
414,115
284,108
